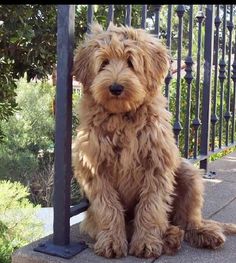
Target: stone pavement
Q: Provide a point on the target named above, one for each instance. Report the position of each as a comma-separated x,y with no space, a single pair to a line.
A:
220,204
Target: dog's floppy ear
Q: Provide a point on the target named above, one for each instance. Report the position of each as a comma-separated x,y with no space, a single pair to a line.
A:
82,68
157,62
81,65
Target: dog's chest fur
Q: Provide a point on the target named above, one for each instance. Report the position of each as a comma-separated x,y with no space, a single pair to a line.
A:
125,149
125,158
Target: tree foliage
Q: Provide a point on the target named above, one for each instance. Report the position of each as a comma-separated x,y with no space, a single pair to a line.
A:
28,39
28,45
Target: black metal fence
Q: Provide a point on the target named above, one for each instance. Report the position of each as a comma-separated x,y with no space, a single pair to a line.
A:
200,88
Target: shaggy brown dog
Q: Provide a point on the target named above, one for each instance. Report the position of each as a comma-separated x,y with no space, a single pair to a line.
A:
125,157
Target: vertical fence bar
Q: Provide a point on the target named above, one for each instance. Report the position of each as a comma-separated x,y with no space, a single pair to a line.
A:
89,17
110,17
144,16
188,78
61,199
128,11
169,26
222,78
214,117
197,121
227,115
168,43
234,91
206,102
177,125
157,19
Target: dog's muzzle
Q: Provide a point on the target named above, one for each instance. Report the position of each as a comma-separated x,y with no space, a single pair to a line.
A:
116,89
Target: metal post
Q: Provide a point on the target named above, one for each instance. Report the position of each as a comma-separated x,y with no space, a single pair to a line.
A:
228,115
206,103
234,92
65,46
197,122
128,11
222,77
110,17
157,10
188,78
177,124
144,16
168,43
214,117
89,17
61,245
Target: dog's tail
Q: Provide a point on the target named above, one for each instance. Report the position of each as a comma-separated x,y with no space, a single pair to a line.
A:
227,228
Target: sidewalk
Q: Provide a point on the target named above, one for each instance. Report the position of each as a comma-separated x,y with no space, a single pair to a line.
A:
220,204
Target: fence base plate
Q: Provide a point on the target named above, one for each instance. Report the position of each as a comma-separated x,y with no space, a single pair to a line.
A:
67,251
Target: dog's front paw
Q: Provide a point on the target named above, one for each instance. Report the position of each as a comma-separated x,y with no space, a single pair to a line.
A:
147,247
173,238
110,245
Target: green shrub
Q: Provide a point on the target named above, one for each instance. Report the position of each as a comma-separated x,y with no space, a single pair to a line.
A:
222,153
28,133
18,223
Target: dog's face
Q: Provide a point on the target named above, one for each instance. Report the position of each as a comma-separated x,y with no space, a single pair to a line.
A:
121,68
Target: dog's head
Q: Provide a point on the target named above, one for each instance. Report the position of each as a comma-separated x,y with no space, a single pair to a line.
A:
122,67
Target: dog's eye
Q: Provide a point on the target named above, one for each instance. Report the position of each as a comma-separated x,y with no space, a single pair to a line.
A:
104,63
130,64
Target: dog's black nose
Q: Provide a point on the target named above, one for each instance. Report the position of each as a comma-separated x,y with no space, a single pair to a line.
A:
116,89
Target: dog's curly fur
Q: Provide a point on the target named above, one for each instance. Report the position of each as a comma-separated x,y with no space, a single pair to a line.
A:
142,193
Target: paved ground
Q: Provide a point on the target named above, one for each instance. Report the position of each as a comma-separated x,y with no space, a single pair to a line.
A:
220,204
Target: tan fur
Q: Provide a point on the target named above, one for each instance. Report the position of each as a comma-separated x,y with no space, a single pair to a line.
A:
125,157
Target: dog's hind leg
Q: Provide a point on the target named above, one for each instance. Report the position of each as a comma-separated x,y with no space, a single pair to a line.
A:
187,209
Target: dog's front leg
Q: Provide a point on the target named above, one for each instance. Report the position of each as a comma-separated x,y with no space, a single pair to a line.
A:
151,220
107,213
